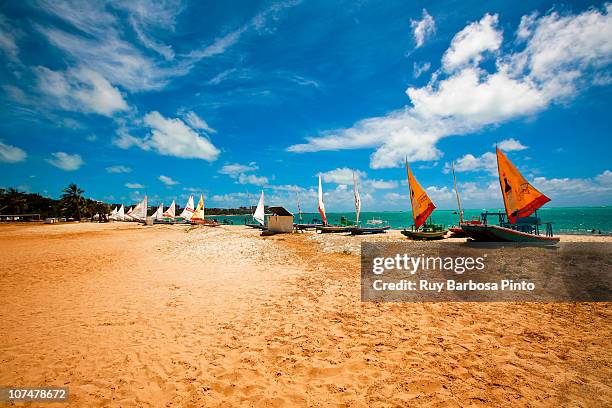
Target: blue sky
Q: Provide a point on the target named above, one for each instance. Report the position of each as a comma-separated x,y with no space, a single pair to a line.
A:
172,98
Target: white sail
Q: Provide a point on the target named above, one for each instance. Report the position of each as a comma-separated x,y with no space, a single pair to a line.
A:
120,216
357,199
128,215
321,205
159,213
171,211
259,215
188,211
139,212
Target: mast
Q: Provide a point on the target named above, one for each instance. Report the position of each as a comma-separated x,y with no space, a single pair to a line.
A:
297,195
457,193
357,199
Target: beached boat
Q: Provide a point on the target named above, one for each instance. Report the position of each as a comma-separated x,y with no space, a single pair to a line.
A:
259,215
344,226
516,224
359,230
422,207
198,218
187,213
139,212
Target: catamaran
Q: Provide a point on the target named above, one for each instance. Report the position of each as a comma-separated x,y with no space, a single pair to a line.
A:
363,230
326,228
422,207
521,200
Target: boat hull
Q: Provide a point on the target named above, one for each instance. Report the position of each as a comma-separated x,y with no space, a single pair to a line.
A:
424,235
369,230
495,233
334,229
302,227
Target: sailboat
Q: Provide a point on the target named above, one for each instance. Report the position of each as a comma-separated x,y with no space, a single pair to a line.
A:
198,213
170,213
457,231
188,210
363,230
306,226
139,212
326,228
120,215
128,215
259,215
422,207
158,215
521,200
113,213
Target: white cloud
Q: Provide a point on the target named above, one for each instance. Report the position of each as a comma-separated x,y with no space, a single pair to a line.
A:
134,185
419,69
252,179
234,169
469,162
11,154
468,45
197,122
423,28
171,137
167,180
549,69
511,145
381,184
342,175
8,36
118,169
65,161
239,172
567,188
257,23
438,194
81,90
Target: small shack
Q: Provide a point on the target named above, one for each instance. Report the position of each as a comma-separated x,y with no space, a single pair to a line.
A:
280,220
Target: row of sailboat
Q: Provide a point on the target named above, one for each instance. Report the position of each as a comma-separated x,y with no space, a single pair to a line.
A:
516,224
190,214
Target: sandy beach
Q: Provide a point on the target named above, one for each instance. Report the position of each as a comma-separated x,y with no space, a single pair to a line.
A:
128,315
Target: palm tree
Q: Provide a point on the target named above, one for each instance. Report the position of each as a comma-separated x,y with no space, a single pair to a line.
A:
72,199
15,201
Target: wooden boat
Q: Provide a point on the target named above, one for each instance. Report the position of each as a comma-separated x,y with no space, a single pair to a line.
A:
370,230
304,227
325,228
521,200
357,229
426,232
259,215
422,207
335,228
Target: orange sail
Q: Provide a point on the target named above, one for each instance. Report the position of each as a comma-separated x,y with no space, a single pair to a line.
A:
521,199
422,206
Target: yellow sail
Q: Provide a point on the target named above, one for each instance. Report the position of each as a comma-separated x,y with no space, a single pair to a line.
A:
521,199
422,206
198,214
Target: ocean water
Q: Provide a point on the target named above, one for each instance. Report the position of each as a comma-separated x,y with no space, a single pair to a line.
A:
567,220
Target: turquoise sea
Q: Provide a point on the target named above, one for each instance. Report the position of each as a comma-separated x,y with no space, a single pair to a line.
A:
568,220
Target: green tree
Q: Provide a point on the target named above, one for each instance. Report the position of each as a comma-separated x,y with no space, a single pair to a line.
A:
72,200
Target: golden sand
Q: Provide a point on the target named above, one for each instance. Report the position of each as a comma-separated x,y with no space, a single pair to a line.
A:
127,315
